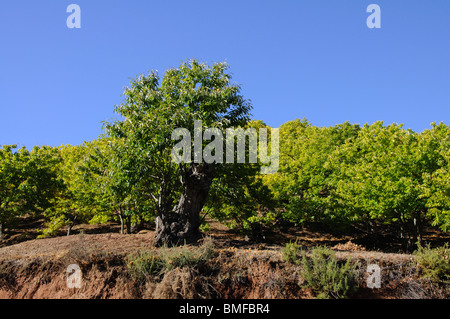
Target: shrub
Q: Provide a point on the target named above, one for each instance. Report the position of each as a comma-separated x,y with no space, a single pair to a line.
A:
179,257
187,256
205,227
52,227
326,276
145,264
434,262
291,253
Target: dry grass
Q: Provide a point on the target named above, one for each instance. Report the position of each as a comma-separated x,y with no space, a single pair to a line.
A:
185,283
58,246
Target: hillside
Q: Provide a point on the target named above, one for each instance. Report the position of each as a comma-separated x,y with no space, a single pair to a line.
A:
238,269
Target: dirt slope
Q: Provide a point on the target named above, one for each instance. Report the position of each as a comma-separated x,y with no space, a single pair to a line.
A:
38,269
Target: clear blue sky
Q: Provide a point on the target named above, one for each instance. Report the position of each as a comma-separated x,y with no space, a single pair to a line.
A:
302,58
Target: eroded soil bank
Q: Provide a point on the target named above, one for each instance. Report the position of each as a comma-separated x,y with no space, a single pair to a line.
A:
38,269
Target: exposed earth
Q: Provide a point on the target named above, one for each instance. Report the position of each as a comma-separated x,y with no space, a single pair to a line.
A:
240,268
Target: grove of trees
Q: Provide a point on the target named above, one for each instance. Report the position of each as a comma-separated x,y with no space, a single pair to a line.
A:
342,175
374,174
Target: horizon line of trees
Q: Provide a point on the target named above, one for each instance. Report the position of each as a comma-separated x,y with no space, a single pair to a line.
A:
340,175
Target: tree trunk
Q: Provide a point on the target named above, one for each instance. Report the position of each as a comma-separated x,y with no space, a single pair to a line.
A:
411,233
69,229
406,236
128,224
417,228
72,218
137,226
1,231
121,223
182,225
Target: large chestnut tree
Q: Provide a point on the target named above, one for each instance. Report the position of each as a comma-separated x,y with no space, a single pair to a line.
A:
152,109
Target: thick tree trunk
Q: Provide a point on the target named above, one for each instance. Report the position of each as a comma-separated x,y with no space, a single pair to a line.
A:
182,225
1,231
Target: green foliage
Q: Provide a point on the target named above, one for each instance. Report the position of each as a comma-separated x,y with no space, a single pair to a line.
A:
144,264
239,198
303,184
435,145
377,172
52,226
205,227
326,276
28,181
119,195
340,175
434,262
74,201
385,174
242,204
154,108
291,253
349,174
10,198
96,188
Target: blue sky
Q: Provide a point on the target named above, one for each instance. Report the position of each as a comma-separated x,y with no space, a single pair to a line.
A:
315,59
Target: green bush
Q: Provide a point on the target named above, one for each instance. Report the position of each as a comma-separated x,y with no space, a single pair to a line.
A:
291,253
434,262
52,227
144,264
326,276
205,227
